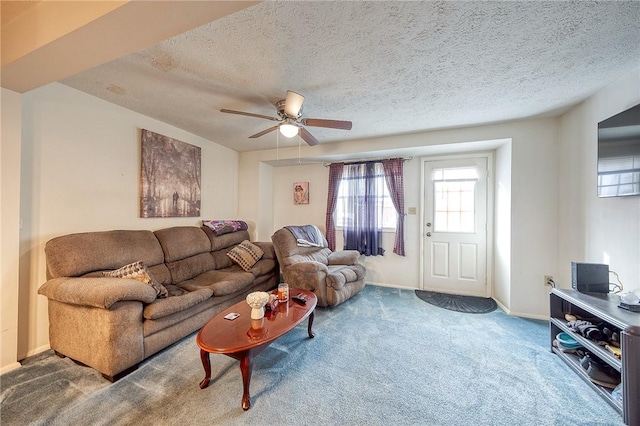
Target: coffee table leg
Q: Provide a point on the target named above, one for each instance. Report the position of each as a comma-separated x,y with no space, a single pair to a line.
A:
206,363
311,324
246,367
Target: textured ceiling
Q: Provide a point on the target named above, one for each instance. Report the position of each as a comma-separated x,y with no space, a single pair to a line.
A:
389,67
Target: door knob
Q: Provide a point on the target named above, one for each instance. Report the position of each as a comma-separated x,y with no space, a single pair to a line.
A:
429,224
428,234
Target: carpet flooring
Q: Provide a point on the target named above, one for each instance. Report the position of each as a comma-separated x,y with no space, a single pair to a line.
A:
382,358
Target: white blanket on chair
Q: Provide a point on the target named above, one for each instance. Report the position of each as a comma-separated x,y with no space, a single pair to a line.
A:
307,235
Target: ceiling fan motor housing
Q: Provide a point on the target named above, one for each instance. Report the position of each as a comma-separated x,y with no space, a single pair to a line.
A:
282,114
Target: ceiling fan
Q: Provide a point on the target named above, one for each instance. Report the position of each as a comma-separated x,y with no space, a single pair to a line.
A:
290,121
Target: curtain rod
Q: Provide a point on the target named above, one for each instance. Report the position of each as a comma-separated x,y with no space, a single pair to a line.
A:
374,160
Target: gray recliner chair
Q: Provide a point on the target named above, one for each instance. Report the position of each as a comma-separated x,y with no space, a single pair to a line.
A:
333,276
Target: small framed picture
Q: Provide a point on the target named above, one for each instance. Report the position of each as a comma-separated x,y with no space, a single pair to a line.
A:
301,193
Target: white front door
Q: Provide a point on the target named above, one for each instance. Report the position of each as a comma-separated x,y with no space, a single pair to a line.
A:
455,226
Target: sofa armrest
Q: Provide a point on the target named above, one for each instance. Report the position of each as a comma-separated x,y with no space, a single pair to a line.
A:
344,257
267,247
99,292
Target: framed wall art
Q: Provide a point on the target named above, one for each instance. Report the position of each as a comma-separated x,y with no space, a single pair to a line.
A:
170,177
301,193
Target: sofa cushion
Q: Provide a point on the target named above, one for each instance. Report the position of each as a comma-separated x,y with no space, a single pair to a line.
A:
185,269
246,254
222,281
74,255
226,241
180,242
263,267
171,305
137,271
221,260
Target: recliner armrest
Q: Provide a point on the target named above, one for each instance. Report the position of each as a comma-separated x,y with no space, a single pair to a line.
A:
310,266
344,257
100,292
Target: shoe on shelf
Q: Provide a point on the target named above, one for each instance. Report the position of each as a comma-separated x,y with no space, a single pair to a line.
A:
604,376
585,361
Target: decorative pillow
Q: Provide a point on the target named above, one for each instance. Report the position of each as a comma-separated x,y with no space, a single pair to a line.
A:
138,271
220,227
246,254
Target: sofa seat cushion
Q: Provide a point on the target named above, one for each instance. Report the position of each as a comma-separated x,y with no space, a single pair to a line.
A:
170,305
338,276
221,281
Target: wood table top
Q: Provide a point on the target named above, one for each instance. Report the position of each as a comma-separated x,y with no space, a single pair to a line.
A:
223,336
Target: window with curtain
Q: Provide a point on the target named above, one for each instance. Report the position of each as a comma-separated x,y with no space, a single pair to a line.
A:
366,198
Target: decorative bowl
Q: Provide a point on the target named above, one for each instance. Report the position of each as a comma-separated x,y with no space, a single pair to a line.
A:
257,300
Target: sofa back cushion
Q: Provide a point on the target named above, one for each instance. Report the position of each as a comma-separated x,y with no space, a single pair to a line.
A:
225,242
187,251
79,254
180,242
222,244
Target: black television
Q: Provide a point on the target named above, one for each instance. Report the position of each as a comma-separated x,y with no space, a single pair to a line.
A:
619,154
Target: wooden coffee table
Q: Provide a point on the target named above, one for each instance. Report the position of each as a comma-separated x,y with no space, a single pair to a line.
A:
244,338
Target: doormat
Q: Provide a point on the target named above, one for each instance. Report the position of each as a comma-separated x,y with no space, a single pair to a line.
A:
455,302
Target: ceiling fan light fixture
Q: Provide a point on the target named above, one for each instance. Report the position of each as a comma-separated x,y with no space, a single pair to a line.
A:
288,130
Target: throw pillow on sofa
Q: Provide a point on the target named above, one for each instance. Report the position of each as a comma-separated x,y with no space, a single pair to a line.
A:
138,271
246,254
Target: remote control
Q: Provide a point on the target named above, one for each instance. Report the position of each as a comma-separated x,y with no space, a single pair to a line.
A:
300,299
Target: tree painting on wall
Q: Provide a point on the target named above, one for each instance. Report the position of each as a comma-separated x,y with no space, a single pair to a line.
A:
169,178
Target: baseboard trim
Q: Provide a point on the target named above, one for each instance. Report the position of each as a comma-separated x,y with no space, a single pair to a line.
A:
520,314
38,350
391,286
10,367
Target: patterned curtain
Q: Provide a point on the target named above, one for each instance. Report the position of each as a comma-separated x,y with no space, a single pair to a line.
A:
335,176
363,227
393,171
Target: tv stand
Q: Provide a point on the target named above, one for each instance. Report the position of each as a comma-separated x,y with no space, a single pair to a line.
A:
604,307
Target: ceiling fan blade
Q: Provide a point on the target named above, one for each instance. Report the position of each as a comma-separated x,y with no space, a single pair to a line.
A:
264,132
331,124
308,137
250,114
293,103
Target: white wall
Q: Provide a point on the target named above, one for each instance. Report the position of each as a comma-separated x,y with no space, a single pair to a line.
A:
81,172
592,229
532,201
502,225
287,213
11,107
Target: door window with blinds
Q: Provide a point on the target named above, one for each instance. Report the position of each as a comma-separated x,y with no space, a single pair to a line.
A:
454,199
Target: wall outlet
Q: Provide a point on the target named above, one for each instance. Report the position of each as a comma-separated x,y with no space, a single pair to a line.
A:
548,278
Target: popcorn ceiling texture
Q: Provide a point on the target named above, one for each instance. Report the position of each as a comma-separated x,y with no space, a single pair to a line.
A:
390,67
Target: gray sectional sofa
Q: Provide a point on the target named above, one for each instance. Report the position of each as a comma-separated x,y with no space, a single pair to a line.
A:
112,324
